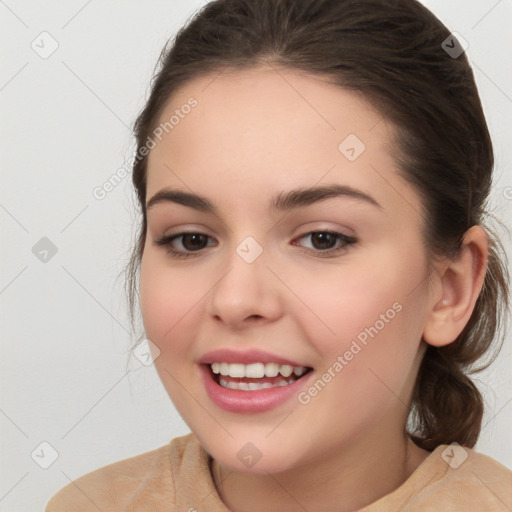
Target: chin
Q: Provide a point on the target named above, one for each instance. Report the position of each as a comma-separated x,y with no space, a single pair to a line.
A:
258,457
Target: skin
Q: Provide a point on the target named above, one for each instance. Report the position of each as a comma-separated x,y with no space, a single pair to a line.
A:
252,135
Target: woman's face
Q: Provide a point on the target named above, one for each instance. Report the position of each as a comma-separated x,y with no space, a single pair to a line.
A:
280,272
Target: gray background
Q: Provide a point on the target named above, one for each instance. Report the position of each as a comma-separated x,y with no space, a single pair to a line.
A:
65,333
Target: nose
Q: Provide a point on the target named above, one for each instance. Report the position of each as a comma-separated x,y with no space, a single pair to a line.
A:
247,293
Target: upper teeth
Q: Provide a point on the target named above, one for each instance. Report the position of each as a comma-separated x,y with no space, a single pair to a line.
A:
256,370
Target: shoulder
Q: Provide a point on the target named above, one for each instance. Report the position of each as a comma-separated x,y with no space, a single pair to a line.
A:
142,482
452,478
475,479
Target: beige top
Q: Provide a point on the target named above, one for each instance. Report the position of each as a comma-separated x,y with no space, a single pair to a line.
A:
176,478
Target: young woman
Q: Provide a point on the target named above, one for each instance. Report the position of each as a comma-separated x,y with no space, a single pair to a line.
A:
316,276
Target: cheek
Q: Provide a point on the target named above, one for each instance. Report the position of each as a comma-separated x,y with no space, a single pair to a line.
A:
168,303
349,301
166,298
365,321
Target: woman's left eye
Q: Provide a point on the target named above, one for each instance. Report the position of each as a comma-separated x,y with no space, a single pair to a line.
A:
324,243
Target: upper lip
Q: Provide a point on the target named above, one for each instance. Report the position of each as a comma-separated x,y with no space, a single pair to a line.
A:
245,357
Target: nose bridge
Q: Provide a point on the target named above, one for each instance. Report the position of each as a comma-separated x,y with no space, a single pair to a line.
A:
247,289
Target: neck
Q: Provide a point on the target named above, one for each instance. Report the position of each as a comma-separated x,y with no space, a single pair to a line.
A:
347,479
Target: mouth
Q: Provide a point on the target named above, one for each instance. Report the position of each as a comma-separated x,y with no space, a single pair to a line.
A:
255,387
255,376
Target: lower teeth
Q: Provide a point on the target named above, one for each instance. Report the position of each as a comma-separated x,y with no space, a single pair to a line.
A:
252,386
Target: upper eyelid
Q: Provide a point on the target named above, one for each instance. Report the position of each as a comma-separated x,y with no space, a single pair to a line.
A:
305,233
167,239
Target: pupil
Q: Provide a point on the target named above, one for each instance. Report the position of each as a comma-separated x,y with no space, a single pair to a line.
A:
324,239
197,241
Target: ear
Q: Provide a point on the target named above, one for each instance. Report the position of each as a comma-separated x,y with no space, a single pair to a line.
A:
457,286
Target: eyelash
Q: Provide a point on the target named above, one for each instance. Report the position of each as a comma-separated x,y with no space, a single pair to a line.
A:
166,241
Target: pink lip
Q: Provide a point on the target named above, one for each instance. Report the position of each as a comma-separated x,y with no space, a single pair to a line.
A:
245,357
248,402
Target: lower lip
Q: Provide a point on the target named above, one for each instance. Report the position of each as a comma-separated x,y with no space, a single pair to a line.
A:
261,400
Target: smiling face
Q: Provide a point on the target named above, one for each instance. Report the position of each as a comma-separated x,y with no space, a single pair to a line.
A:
265,282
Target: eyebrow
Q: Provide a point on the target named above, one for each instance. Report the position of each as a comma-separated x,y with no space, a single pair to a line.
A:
283,202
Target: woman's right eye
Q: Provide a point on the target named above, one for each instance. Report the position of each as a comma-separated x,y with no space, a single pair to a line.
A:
190,243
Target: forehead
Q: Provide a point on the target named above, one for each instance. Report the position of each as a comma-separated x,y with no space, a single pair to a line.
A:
268,127
254,106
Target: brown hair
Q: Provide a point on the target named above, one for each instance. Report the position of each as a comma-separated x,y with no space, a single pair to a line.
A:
391,52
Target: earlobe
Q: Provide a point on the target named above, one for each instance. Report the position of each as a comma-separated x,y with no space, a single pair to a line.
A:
459,284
